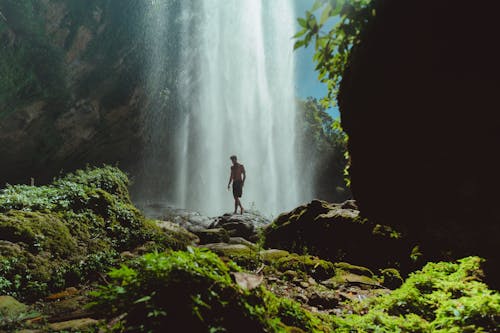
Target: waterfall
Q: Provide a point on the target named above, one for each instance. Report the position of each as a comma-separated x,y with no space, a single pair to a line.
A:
235,91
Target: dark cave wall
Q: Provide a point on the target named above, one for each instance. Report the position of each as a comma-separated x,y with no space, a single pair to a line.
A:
419,102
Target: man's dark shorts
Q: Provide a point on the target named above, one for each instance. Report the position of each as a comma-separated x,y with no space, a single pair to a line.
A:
237,188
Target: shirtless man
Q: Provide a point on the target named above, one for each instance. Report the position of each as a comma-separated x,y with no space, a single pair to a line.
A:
237,171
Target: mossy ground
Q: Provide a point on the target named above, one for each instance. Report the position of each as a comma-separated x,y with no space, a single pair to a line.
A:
59,235
66,233
194,290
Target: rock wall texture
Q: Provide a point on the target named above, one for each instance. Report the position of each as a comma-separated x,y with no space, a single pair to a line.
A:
419,103
71,89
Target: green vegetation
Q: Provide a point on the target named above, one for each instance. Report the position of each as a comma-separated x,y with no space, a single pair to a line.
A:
193,290
30,66
324,145
61,234
442,297
314,266
333,47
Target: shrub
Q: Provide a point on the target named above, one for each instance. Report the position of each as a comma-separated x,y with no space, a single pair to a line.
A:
442,297
61,233
192,291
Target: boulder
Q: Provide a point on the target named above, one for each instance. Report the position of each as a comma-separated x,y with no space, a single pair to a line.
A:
336,232
10,307
246,225
271,255
230,250
190,220
178,234
215,235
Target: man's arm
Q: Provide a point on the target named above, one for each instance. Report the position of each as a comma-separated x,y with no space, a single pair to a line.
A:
243,172
230,179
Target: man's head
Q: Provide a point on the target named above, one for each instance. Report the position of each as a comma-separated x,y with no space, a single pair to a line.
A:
233,159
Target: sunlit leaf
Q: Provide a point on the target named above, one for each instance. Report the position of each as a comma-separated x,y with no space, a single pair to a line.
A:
300,33
326,14
317,5
298,44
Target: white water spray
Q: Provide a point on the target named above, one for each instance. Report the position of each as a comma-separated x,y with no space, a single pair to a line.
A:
237,96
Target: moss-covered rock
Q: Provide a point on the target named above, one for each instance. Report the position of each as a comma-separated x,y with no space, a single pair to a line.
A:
313,266
359,270
336,232
38,232
391,278
10,308
194,290
241,254
271,255
178,237
215,235
57,235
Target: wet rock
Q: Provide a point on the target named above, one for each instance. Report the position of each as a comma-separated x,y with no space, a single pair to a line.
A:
178,234
243,255
247,281
358,270
190,220
74,325
313,266
336,232
272,255
243,241
216,235
244,225
230,250
391,278
63,294
345,278
10,307
323,299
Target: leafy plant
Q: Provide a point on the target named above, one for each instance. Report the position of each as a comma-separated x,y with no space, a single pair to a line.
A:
64,233
194,292
333,47
442,297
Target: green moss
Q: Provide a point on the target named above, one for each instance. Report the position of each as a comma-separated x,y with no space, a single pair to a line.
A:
317,268
62,233
30,65
38,231
194,290
272,255
442,297
239,253
391,278
358,270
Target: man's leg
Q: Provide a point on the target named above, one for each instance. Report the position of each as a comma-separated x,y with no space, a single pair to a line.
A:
235,204
241,206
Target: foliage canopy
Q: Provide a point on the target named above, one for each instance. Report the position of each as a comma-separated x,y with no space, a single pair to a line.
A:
333,47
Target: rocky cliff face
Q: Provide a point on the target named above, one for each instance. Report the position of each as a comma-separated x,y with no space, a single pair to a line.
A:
71,90
419,105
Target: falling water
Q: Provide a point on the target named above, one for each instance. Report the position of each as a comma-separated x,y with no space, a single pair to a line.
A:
236,96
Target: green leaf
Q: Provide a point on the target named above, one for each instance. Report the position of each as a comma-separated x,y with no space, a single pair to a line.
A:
300,33
317,5
325,15
299,43
142,299
302,22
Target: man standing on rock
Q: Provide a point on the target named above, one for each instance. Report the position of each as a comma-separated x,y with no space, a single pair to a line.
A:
238,177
